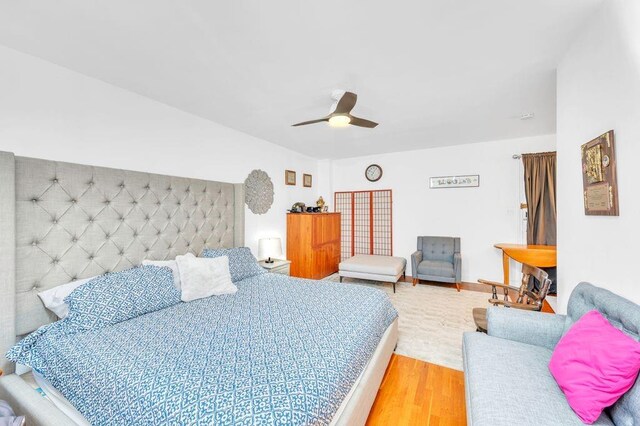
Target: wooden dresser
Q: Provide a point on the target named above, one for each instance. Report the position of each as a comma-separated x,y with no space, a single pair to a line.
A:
313,244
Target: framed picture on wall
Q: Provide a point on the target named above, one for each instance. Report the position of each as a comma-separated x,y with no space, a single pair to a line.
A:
599,176
464,181
306,180
289,177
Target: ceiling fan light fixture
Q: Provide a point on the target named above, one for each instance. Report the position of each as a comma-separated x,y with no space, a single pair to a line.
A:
339,121
340,115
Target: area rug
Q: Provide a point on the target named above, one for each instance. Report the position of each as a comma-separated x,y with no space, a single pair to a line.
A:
431,319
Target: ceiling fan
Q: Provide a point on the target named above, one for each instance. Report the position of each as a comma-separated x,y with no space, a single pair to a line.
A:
340,113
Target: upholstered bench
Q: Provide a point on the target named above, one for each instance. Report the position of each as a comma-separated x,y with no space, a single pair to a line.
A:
386,269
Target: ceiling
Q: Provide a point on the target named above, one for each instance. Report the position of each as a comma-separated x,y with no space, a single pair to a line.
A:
431,72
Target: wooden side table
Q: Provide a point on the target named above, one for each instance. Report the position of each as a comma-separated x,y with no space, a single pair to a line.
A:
279,266
535,255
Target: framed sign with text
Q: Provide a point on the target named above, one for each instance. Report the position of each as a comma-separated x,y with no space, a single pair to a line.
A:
464,181
599,180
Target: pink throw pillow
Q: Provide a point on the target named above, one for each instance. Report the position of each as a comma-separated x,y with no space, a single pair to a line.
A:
594,365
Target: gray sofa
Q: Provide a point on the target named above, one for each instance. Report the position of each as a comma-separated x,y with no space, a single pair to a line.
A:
437,259
507,379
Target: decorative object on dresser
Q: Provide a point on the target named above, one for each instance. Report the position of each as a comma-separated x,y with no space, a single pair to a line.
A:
464,181
289,177
437,259
306,180
599,176
313,244
259,192
298,207
268,248
373,173
278,266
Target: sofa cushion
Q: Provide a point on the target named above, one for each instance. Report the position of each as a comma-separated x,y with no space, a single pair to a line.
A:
436,268
594,364
438,248
622,314
508,383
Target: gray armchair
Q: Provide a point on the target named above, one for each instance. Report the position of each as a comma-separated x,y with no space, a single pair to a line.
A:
437,259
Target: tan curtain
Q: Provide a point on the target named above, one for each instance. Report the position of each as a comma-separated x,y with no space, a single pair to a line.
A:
540,190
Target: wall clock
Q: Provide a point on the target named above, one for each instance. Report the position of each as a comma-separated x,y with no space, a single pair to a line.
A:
373,173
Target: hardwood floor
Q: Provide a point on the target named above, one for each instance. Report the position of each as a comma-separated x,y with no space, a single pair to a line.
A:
415,392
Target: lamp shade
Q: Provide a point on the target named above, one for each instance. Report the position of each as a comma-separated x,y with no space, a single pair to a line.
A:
269,247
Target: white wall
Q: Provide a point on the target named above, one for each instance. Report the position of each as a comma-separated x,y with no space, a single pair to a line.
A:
480,216
599,90
51,112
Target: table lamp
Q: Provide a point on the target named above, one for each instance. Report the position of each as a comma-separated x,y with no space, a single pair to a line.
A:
268,248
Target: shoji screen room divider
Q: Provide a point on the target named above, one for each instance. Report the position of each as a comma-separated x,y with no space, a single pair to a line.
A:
366,222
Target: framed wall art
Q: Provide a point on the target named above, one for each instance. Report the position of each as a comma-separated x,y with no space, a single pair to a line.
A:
289,177
258,192
463,181
599,180
306,180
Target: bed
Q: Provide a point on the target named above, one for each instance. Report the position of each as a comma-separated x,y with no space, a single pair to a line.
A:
62,221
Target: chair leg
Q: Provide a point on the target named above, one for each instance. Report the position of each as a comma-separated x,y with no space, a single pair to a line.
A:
340,279
415,281
458,286
394,287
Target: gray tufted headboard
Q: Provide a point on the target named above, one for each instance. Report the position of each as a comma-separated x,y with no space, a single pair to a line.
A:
60,222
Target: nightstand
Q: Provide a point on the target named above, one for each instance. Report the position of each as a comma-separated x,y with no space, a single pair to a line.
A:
278,266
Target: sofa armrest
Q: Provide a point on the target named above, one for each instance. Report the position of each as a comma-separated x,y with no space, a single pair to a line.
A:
416,258
533,328
457,266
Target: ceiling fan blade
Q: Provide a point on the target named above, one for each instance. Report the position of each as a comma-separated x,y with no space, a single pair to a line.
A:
304,123
346,103
355,121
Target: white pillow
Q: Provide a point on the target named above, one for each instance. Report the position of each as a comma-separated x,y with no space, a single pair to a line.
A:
53,298
169,263
204,277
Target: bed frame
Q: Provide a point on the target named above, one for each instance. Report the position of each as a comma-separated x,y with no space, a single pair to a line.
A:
60,222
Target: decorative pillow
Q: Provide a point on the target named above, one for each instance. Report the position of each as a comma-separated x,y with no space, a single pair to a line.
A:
119,296
242,264
594,365
53,298
204,277
169,264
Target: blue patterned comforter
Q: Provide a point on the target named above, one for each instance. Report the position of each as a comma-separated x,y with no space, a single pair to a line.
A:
279,351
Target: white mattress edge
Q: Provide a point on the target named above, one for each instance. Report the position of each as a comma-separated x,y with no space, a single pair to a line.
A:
60,401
